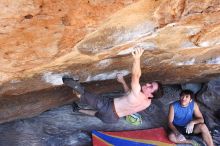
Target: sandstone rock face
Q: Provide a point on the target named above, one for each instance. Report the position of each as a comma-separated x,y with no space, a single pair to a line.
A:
211,95
40,41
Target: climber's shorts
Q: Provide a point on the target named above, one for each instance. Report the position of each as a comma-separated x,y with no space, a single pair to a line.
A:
105,106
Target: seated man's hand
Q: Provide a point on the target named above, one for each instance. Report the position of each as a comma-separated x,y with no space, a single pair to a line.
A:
189,127
180,137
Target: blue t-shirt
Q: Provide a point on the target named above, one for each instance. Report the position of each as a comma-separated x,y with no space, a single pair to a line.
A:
182,115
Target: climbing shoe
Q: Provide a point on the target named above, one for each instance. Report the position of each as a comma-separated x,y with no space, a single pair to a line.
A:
75,85
75,107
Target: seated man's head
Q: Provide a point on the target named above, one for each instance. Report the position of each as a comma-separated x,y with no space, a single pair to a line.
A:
186,97
152,89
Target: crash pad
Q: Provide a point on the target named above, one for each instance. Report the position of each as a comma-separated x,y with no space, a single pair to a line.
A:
148,137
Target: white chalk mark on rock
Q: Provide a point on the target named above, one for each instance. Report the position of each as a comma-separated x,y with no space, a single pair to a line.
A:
104,63
204,44
53,78
144,29
107,75
145,45
214,61
187,44
189,62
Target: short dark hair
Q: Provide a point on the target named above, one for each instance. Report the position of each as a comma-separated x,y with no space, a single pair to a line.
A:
187,92
159,92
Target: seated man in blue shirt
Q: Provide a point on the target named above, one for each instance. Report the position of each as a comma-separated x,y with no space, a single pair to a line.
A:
185,118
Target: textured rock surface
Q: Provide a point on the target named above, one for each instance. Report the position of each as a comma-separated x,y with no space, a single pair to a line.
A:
92,38
42,40
210,94
33,103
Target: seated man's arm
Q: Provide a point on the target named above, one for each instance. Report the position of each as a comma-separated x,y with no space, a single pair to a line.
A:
170,120
198,115
136,71
197,120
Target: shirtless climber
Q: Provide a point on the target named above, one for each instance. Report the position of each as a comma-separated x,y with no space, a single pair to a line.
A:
109,110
